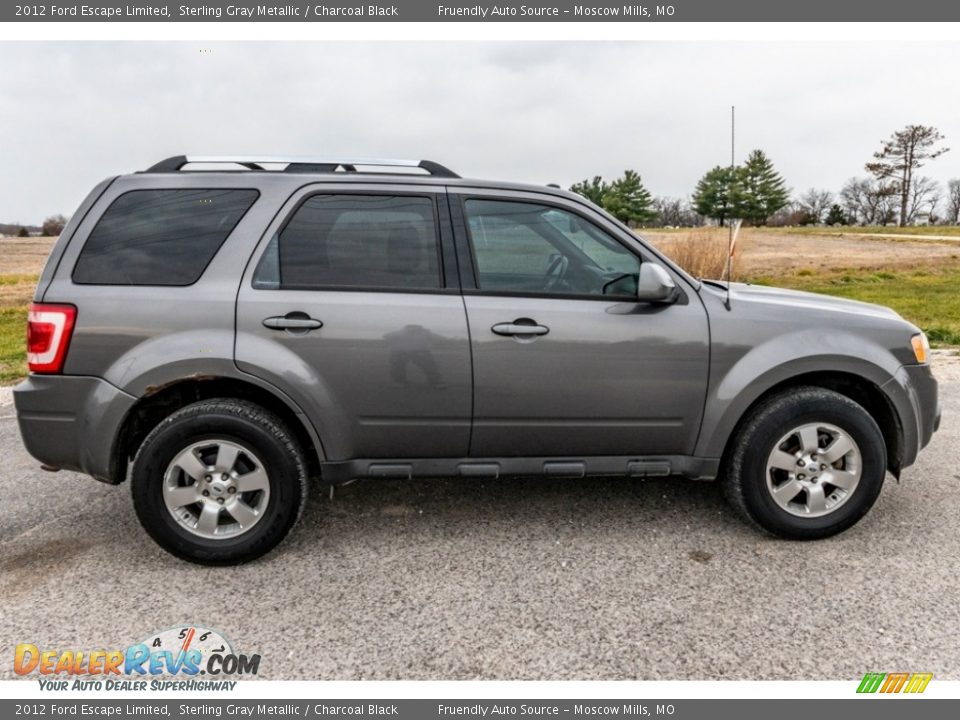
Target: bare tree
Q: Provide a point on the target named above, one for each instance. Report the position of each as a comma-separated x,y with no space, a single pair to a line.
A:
901,156
669,211
789,215
924,198
953,202
868,201
815,204
675,212
53,225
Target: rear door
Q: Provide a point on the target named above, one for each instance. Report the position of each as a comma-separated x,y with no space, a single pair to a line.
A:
351,305
566,361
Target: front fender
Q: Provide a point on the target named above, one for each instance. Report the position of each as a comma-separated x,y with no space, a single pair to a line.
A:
740,375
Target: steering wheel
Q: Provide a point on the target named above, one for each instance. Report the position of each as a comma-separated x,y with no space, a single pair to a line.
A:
556,271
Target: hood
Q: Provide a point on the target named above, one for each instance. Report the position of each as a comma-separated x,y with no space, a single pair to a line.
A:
744,293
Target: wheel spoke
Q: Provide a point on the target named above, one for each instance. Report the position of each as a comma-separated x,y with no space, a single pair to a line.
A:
255,480
177,497
191,465
226,457
783,460
836,450
786,492
809,438
207,523
816,500
242,513
840,478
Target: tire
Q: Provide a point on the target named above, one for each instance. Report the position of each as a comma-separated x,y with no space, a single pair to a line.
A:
219,482
805,423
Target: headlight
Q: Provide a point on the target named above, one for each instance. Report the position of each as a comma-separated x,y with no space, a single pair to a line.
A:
921,348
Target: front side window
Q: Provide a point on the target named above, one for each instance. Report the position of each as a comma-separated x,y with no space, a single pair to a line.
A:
523,247
160,237
354,241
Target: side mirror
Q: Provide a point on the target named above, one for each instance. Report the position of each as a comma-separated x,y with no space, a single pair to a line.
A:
655,285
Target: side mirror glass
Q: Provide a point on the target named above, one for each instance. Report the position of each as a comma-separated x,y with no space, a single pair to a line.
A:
654,284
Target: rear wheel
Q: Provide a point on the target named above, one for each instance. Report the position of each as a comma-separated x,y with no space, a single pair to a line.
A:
219,482
806,464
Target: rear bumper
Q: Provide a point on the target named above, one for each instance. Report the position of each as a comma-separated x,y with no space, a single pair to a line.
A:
71,422
915,394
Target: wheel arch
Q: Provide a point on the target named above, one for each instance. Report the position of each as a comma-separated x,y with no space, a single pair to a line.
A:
861,390
158,403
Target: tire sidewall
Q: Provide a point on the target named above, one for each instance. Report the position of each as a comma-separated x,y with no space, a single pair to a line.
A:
176,433
781,419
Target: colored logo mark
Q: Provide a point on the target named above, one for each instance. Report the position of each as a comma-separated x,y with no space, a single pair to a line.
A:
894,682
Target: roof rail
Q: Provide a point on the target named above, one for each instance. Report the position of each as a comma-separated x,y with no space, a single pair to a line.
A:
300,164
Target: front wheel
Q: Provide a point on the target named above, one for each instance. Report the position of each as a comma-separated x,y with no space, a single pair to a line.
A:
219,482
806,464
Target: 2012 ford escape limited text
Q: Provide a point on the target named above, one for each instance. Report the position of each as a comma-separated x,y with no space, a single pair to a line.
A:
222,330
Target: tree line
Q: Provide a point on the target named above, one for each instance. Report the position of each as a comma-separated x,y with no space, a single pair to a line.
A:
892,192
51,227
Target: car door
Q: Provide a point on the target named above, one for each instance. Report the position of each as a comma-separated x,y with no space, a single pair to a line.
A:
352,307
566,362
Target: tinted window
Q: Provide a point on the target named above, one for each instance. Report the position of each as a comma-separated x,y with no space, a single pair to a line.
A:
160,237
524,247
366,241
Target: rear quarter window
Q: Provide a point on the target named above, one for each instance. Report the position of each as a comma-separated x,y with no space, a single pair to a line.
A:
160,237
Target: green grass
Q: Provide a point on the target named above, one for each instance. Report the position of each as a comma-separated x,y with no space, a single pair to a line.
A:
929,299
13,353
15,294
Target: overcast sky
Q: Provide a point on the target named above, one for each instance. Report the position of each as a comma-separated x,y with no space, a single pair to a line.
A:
74,113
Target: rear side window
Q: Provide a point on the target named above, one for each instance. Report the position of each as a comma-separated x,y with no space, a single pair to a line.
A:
354,241
160,237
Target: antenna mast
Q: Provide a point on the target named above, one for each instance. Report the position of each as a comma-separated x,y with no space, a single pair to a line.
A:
733,164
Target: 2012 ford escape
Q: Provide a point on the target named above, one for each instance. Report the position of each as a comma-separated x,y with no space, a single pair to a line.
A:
222,329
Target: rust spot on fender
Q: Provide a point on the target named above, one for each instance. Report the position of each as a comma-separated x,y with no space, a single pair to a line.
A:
154,389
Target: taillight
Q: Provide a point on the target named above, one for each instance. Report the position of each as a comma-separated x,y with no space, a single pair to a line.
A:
49,328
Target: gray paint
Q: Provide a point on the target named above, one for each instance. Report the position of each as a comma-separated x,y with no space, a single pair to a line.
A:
612,382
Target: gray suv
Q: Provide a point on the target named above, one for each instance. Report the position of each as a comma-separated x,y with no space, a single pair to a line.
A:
221,330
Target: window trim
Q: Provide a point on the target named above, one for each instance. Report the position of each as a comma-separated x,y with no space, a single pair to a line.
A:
76,261
443,288
474,266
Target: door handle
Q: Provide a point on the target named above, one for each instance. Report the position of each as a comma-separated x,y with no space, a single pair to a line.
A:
292,321
523,326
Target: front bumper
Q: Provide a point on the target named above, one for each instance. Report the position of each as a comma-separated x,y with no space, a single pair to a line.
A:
71,422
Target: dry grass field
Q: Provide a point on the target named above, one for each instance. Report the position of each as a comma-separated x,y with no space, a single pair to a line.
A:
762,252
917,276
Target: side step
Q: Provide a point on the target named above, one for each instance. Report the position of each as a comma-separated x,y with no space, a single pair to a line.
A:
493,468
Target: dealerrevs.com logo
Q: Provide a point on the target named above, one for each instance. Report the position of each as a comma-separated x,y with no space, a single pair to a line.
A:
894,682
185,652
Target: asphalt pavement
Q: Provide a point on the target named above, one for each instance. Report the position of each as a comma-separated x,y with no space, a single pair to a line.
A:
513,579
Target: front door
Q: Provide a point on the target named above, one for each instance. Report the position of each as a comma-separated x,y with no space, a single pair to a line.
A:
348,310
566,362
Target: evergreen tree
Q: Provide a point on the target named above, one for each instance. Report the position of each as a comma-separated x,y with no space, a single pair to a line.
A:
902,155
593,190
628,200
716,194
761,189
836,216
23,232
